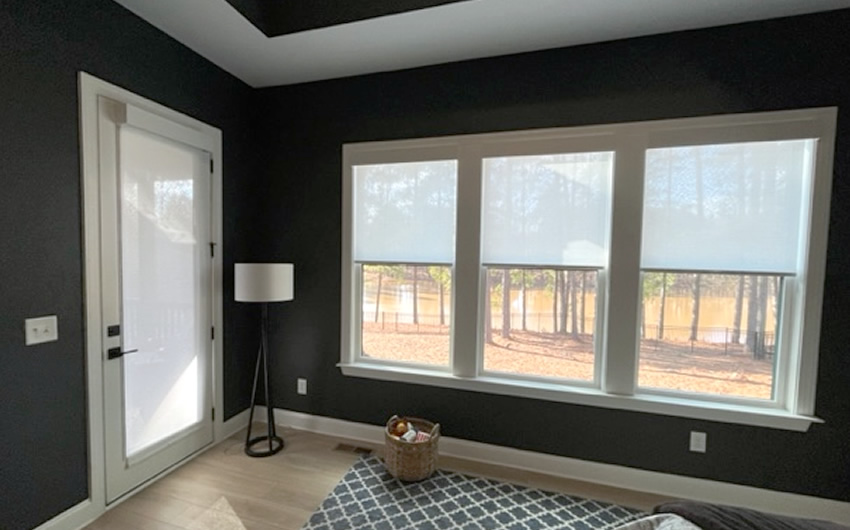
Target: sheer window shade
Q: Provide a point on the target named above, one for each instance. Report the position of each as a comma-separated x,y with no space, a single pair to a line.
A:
547,210
405,213
728,207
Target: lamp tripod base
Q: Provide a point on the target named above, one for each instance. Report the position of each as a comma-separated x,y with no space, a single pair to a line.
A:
275,444
272,443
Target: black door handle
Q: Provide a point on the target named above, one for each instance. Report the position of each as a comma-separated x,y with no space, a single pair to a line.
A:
114,353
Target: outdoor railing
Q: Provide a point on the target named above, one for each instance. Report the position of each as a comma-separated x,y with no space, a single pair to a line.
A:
760,344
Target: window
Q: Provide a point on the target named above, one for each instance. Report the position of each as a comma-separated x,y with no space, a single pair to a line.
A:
673,267
544,238
722,233
404,217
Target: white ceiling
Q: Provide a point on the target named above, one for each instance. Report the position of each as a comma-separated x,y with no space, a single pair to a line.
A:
465,30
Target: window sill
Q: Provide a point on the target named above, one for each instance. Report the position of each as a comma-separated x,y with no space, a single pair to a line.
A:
681,407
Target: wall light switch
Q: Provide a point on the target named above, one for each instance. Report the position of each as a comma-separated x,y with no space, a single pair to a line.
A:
41,329
302,386
699,442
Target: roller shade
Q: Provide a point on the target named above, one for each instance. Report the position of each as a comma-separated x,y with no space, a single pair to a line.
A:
730,207
405,212
547,210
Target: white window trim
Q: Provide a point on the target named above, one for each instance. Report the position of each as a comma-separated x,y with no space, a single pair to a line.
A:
616,388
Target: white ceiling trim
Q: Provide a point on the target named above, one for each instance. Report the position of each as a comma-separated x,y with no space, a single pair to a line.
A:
454,32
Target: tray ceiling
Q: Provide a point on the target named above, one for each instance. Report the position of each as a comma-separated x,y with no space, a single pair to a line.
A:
324,39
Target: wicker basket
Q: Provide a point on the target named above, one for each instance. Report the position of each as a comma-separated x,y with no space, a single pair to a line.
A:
411,461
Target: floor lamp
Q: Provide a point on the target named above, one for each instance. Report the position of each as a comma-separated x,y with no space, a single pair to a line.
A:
263,283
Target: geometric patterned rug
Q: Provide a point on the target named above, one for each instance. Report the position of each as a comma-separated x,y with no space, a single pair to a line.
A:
369,498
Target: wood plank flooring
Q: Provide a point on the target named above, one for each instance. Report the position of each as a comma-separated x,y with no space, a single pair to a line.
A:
223,489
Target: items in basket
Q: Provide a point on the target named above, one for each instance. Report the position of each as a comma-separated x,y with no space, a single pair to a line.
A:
406,430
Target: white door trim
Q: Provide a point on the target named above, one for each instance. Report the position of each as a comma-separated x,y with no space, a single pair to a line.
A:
90,88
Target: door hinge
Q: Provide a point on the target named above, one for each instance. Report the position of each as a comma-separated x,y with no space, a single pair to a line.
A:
211,165
213,414
212,333
212,249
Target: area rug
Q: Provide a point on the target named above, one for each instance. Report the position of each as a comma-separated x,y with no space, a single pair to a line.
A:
368,497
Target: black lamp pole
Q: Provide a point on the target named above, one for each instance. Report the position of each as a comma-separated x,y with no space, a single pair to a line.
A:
275,442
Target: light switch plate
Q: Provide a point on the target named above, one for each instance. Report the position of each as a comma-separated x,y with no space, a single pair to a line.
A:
41,329
302,386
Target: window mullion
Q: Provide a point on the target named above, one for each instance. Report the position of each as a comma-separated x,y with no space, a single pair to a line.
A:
787,350
348,306
356,318
467,274
622,308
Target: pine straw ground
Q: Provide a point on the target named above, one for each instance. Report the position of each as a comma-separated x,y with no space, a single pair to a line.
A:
701,367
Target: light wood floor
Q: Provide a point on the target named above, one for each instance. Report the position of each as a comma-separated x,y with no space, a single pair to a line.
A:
223,489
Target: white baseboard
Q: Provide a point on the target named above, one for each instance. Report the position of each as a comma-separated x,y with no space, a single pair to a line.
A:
232,426
76,516
606,474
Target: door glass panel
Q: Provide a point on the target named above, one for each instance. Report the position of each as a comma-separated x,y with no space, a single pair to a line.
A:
163,314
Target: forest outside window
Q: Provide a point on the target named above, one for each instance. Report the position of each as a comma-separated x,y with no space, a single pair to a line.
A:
673,267
406,313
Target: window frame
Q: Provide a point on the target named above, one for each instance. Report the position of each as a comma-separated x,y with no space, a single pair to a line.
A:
619,283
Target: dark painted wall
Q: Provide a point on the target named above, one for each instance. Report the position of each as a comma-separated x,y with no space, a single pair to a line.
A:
43,454
781,64
282,202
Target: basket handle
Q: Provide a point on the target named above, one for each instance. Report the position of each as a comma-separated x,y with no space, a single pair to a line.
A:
435,430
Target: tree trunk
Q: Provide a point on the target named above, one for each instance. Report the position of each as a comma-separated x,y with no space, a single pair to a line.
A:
739,310
524,301
697,277
415,295
564,305
775,309
659,333
488,319
695,307
506,303
752,314
442,309
555,291
573,304
773,306
583,302
378,297
761,322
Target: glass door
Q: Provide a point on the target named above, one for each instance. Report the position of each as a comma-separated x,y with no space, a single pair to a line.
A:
157,304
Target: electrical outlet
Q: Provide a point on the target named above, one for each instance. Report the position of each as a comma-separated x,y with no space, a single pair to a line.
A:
302,386
41,329
699,442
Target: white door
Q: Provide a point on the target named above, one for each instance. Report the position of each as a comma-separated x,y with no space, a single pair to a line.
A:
156,303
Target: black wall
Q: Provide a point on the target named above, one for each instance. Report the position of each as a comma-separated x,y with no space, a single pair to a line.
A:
43,454
780,64
282,169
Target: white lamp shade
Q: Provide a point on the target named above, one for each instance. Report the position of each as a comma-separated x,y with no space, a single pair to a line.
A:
264,282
